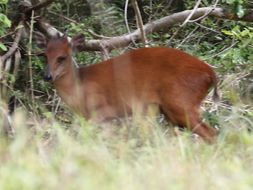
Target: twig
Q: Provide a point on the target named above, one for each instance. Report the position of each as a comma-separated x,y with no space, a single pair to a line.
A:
8,34
126,21
30,57
205,15
64,17
185,21
139,22
98,35
224,50
202,26
191,14
188,36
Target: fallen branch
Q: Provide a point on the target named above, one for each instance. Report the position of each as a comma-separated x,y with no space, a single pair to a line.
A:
154,26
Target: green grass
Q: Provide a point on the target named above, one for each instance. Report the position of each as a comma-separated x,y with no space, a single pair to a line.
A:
48,155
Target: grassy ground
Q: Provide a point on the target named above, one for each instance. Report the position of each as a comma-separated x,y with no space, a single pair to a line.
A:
144,155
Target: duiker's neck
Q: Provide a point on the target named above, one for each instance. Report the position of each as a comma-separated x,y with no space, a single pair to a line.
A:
68,86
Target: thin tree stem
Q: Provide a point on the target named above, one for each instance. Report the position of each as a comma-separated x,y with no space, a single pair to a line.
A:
30,58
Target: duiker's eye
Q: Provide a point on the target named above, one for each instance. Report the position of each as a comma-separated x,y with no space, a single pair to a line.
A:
61,59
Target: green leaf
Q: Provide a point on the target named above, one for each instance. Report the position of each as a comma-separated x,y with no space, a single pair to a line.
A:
229,33
240,11
7,22
3,2
3,47
4,20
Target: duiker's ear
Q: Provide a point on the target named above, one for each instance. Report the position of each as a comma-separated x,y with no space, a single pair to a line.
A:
77,42
41,40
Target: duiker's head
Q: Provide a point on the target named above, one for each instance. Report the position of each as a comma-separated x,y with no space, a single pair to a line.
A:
58,51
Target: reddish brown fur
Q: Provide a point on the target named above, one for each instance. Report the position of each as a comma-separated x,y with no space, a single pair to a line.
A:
172,79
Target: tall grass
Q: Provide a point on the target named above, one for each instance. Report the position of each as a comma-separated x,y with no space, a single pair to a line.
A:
140,155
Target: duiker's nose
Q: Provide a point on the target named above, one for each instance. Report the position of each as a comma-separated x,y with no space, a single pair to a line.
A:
48,75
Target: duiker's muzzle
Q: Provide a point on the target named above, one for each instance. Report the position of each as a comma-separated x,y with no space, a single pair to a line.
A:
48,75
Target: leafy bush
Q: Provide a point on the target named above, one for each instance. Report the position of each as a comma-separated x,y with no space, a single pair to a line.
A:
4,22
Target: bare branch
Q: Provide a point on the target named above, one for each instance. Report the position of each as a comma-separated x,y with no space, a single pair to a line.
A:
192,13
125,18
15,44
161,24
39,6
64,17
139,21
154,26
98,35
8,34
214,6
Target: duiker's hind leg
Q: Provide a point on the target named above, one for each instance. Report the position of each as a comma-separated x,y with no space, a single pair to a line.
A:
201,128
191,120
